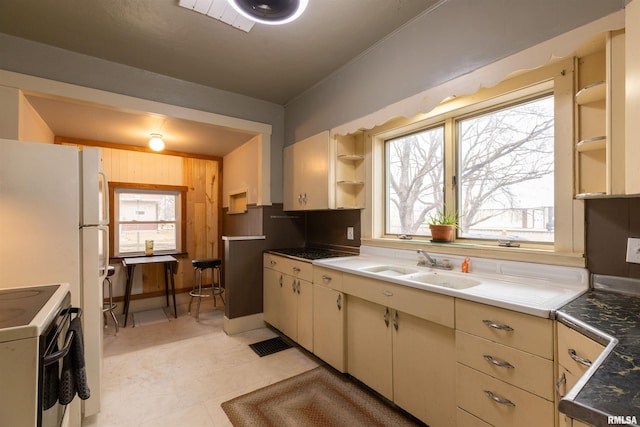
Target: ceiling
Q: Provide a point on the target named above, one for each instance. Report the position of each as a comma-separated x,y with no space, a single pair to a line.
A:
272,63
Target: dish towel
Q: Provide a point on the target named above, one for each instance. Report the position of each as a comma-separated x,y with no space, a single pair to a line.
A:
74,375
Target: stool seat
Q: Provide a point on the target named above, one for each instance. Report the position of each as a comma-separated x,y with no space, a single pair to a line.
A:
201,290
206,262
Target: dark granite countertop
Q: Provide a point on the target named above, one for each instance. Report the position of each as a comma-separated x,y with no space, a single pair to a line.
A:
613,389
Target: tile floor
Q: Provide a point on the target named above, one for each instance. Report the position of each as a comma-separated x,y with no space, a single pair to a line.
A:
177,373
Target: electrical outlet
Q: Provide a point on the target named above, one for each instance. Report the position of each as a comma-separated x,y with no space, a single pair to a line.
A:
350,234
633,250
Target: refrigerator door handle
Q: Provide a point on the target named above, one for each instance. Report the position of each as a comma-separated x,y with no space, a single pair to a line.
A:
104,262
104,220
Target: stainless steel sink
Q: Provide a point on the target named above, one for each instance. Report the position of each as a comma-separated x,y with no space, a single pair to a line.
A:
444,280
389,270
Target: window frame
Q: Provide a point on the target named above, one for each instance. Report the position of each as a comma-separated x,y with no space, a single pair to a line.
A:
181,215
569,246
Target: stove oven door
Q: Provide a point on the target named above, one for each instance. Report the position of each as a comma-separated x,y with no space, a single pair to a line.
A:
55,345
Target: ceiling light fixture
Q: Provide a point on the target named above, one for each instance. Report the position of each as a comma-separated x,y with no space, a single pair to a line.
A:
156,143
270,12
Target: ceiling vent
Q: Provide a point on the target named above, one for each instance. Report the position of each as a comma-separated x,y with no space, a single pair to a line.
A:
220,10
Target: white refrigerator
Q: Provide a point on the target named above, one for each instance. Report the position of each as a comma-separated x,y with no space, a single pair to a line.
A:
54,228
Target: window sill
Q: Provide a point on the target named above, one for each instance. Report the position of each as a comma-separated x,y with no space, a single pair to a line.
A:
541,256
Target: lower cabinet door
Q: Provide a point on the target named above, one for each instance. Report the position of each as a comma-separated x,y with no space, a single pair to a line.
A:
369,351
304,292
272,297
329,314
498,403
424,369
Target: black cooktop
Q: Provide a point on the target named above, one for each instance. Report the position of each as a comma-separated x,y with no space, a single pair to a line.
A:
19,306
311,253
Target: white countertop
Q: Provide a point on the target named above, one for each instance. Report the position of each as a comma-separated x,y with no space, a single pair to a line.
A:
536,289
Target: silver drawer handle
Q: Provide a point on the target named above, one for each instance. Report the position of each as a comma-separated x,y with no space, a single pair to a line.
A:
581,360
386,316
387,293
497,362
339,302
499,400
296,270
494,325
326,278
273,263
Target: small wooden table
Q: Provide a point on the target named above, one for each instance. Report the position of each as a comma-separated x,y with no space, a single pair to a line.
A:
169,263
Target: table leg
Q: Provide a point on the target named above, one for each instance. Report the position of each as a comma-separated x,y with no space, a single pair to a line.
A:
127,292
168,276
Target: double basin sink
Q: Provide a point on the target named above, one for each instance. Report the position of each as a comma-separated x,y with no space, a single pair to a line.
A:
444,280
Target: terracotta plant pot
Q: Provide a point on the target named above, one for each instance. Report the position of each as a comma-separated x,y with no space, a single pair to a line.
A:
441,233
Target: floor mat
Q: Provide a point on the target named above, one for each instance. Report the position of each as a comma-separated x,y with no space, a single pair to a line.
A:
270,346
317,398
149,316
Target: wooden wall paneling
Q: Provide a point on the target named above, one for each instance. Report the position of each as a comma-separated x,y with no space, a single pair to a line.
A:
212,230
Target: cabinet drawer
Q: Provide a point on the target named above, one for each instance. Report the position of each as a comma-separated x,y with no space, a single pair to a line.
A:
576,351
423,304
516,367
498,403
327,277
522,331
273,262
298,269
465,419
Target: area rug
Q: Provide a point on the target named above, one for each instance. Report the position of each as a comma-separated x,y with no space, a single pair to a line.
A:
149,317
320,398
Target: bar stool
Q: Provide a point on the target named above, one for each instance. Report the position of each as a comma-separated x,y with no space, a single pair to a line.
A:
110,305
198,291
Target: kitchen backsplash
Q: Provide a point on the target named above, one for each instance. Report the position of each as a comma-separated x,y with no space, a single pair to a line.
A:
295,228
609,222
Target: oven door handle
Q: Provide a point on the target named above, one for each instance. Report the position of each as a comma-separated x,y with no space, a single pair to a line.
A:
56,356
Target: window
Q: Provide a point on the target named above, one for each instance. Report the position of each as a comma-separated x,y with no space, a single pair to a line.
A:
506,166
415,179
143,213
498,166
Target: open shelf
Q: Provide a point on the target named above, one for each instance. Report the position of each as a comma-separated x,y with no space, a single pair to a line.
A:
593,92
592,144
350,167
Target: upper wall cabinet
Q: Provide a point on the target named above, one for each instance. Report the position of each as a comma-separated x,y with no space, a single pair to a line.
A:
632,107
324,173
599,124
307,174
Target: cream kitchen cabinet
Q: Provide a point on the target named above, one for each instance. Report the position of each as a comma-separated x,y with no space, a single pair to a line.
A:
576,353
400,342
307,174
600,117
632,97
288,298
329,317
504,365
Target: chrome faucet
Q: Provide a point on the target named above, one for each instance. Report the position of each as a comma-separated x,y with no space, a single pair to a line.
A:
428,261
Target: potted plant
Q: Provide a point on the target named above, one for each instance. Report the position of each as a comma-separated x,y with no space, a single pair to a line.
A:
442,224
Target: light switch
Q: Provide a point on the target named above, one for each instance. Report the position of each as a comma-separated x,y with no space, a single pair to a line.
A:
633,250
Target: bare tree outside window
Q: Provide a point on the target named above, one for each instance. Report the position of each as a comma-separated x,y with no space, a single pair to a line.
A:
505,175
506,164
415,180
